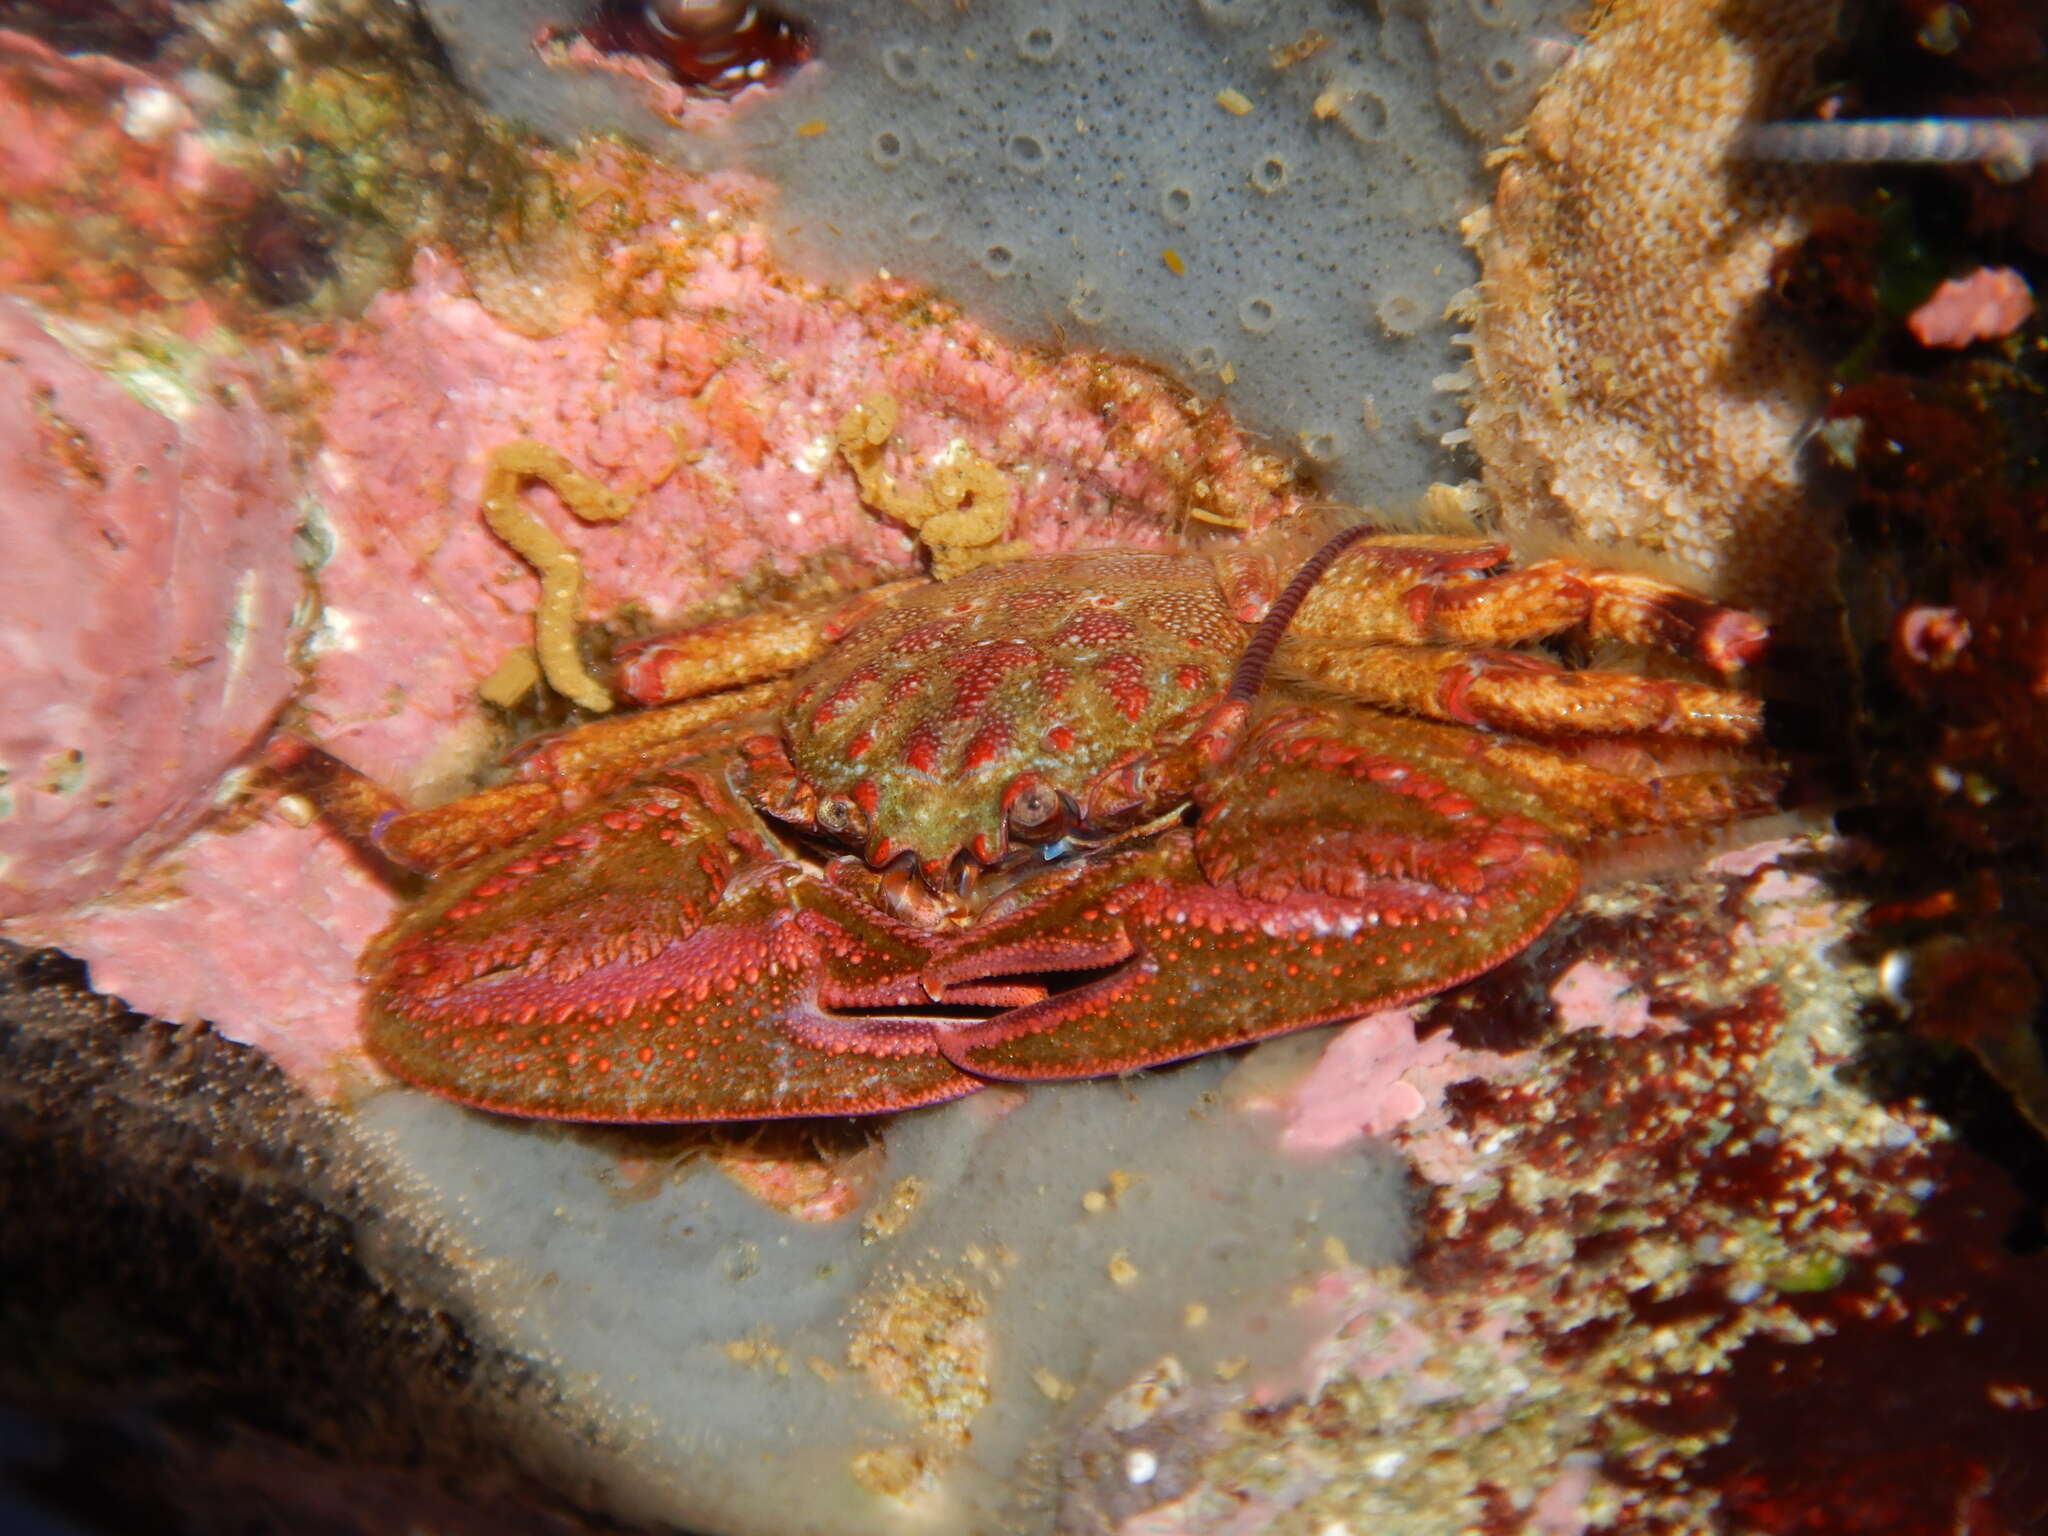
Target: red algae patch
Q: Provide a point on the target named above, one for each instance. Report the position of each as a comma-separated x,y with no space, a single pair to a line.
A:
1371,1076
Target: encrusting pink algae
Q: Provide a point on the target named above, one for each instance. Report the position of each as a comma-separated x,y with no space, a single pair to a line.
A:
146,606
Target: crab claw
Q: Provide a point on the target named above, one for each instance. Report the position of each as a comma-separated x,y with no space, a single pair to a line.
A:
653,960
1331,871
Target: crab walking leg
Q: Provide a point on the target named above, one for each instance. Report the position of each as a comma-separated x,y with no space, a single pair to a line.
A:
1588,800
1639,610
593,758
1511,691
553,778
376,820
655,958
726,653
1426,589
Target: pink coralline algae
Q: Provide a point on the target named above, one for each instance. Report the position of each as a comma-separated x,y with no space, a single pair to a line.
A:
300,909
1378,1077
145,608
1375,1075
1984,305
1595,996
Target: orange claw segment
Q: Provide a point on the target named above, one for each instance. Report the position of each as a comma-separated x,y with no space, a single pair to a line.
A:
639,964
429,840
1512,608
1421,589
1387,588
595,756
1511,691
726,653
1595,703
1639,610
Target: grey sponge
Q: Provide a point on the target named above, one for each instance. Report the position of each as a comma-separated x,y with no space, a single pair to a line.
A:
1261,196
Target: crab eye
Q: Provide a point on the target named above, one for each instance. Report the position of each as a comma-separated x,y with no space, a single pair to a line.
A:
1034,808
841,817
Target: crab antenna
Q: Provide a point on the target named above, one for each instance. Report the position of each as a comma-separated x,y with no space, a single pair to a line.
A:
1258,652
1222,730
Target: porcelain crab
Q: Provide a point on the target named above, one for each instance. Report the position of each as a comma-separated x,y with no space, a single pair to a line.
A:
1065,815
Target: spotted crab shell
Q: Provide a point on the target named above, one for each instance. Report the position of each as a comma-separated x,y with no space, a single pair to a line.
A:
928,712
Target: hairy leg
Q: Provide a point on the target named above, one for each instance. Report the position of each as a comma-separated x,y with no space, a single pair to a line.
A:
1427,589
729,653
1511,691
1416,622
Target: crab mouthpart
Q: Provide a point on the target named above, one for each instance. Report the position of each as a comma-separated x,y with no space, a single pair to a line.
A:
910,897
